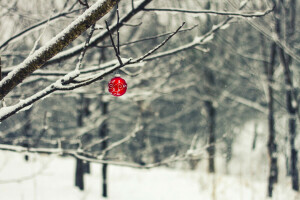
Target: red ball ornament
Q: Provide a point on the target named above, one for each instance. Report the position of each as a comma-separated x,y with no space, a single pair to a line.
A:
117,86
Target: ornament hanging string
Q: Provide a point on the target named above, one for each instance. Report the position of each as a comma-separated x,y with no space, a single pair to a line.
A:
117,86
116,48
118,37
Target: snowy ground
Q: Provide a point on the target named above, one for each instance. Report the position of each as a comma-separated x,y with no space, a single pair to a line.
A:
52,177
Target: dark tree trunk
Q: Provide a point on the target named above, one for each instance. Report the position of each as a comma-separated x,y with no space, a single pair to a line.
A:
86,112
272,146
294,155
79,172
79,175
27,131
138,145
87,168
211,114
287,159
103,132
104,180
210,109
289,15
228,143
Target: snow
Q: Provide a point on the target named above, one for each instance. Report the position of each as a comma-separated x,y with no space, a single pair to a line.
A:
209,38
48,177
243,3
225,26
51,177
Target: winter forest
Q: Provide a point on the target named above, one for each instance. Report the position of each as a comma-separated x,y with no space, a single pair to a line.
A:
149,99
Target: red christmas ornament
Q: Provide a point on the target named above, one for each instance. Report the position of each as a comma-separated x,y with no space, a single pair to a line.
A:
117,86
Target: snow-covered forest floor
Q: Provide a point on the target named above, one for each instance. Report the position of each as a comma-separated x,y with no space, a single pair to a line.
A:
51,177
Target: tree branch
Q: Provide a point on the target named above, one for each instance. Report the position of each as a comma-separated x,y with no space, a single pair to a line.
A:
232,14
99,37
41,56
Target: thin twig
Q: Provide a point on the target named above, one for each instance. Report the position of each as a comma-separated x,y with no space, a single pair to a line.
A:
160,45
133,25
113,43
87,41
84,3
238,14
39,38
132,4
94,143
137,128
118,26
149,38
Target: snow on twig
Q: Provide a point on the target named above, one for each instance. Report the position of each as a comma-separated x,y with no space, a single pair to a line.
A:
79,63
160,45
231,14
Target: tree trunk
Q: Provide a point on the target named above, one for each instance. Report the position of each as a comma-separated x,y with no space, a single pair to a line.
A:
103,132
228,143
289,15
210,109
211,114
79,174
87,168
86,112
291,104
27,131
80,169
272,146
104,180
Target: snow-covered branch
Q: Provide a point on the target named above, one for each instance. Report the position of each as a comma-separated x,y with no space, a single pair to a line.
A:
245,102
54,46
99,37
69,81
232,14
196,42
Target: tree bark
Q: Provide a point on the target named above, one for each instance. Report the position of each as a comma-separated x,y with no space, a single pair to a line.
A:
27,130
272,146
211,115
291,96
79,173
103,132
79,177
210,109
